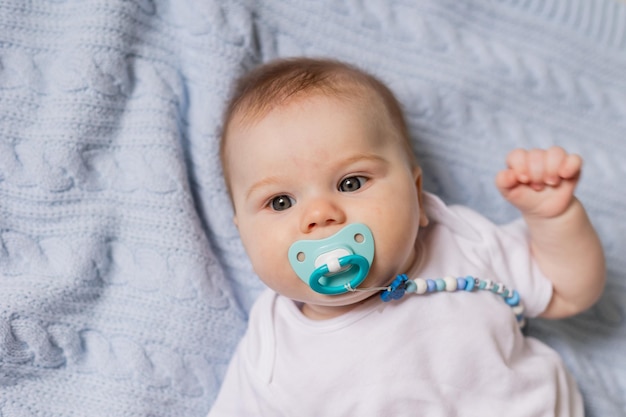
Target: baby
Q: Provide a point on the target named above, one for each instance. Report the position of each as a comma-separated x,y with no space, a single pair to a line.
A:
329,204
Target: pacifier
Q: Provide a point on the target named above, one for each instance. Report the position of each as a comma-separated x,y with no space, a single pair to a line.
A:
336,264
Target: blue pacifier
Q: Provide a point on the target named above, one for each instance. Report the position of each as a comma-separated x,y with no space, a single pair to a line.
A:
336,264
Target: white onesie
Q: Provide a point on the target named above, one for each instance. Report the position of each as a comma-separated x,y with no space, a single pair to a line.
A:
439,354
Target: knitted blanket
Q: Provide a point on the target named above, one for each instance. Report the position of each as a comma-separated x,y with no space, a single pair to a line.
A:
123,285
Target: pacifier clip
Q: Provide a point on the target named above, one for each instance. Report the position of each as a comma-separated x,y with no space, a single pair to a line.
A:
420,286
340,263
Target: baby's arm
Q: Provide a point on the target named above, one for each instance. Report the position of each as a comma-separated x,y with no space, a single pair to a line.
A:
541,183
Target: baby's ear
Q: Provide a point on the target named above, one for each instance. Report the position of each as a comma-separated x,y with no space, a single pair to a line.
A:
423,217
417,175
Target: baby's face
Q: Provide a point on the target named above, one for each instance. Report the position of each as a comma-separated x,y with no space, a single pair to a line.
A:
306,170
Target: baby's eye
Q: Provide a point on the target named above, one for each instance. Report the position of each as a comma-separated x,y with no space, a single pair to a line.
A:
351,184
281,202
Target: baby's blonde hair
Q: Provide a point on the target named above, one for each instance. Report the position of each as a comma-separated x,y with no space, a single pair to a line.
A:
277,82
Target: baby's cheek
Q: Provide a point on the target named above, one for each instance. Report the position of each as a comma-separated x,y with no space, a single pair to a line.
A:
265,260
270,260
401,244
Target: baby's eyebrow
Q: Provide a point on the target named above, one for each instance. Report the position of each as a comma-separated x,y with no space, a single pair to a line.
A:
272,180
267,181
363,157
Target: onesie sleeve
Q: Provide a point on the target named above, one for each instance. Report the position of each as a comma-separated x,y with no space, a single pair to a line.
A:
244,391
510,255
505,249
501,251
237,393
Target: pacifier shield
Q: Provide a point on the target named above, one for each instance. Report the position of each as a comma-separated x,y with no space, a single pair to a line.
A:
337,263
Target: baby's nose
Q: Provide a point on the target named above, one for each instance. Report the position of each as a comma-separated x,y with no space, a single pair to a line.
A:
321,212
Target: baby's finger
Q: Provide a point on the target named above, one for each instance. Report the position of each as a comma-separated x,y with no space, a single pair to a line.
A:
571,166
517,161
536,166
554,159
506,179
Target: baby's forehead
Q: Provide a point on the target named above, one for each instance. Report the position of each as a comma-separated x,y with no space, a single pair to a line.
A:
251,113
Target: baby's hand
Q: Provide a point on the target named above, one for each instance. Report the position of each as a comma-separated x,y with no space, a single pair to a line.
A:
540,182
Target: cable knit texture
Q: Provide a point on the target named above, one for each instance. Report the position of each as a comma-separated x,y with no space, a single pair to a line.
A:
123,285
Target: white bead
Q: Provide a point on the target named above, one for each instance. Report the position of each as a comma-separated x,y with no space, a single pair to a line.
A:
488,284
422,287
518,309
450,283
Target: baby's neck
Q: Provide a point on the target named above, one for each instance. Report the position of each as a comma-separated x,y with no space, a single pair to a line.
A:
418,258
322,312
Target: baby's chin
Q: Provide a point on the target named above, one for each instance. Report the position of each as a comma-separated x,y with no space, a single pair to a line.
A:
339,305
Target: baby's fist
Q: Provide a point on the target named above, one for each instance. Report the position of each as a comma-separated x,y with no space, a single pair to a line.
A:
540,182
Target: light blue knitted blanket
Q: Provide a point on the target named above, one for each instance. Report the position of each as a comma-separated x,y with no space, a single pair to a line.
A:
123,285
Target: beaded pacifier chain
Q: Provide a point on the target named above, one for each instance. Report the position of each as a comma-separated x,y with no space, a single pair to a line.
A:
402,284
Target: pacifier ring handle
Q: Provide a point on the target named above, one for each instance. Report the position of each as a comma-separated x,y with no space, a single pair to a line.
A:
353,260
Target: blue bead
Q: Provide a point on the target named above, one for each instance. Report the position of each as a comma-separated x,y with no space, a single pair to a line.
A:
431,285
398,281
514,299
461,283
411,286
494,288
441,284
482,284
470,283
